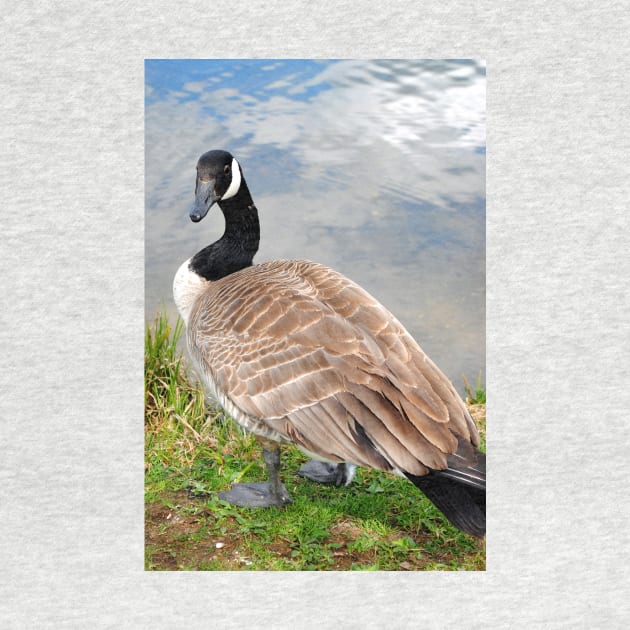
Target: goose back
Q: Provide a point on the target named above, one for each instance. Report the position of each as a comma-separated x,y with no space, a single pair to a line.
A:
298,352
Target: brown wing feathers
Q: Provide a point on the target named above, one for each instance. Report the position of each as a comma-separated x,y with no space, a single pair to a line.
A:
324,364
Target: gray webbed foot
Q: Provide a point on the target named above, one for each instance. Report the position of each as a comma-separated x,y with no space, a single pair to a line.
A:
261,494
326,472
255,495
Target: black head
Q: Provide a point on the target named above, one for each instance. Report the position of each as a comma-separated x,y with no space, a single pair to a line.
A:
219,178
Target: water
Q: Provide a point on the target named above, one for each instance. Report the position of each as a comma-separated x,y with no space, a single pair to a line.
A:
375,168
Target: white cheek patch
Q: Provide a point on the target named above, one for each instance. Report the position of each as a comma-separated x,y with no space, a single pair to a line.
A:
235,184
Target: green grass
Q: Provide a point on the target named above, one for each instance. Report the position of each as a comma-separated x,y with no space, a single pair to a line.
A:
477,397
380,522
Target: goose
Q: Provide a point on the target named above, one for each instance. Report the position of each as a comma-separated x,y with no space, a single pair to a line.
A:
297,353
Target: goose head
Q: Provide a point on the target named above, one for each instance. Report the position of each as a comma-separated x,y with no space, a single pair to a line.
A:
218,179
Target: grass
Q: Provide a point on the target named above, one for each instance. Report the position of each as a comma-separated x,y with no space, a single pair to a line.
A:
477,397
380,522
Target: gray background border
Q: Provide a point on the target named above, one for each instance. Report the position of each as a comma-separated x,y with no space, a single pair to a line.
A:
72,319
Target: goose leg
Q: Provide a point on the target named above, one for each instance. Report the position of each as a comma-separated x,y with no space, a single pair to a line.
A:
265,494
327,472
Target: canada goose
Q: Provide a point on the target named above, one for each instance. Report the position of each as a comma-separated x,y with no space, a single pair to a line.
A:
296,352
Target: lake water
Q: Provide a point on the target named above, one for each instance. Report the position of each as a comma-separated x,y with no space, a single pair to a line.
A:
375,168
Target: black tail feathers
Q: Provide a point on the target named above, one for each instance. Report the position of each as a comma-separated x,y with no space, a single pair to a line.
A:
464,505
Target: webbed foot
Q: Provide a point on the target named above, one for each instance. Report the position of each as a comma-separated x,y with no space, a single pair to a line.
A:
326,472
255,495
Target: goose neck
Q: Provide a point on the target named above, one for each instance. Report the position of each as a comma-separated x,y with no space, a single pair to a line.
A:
235,250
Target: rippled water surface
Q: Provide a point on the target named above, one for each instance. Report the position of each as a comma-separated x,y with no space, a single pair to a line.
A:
376,168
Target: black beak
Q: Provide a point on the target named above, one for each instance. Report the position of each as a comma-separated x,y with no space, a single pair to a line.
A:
205,198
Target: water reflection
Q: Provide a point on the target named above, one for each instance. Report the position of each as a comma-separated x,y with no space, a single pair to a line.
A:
376,168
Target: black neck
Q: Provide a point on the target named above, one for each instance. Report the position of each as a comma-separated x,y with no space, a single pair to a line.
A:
235,250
